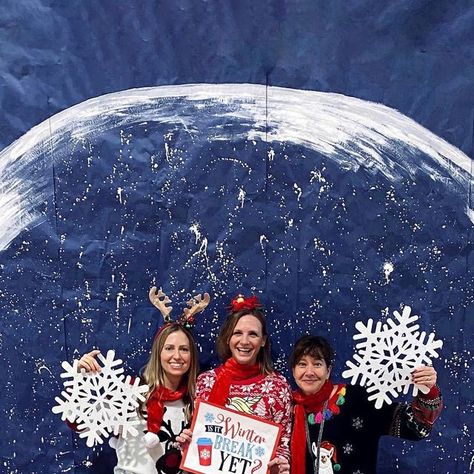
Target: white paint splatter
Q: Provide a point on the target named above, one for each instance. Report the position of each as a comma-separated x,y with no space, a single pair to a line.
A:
202,252
119,194
263,242
167,153
321,246
298,191
387,271
241,197
233,160
195,230
317,175
352,132
44,367
120,297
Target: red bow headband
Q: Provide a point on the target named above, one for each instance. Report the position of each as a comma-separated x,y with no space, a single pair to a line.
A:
240,302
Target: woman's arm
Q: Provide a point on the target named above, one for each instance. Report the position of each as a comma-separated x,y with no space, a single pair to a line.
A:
282,414
414,421
427,407
204,384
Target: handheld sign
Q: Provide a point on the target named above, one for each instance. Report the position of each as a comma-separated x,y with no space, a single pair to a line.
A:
225,441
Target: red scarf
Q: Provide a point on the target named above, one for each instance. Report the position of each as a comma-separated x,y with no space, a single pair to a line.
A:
155,405
305,404
230,372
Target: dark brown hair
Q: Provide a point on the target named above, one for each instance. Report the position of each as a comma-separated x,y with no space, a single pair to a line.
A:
314,346
264,357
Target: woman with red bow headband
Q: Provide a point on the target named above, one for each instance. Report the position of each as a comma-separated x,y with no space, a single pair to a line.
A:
246,381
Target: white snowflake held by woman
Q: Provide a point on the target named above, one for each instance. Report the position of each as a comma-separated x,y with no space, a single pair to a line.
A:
385,360
100,403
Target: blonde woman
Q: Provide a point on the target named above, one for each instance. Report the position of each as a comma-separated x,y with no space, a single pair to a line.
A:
170,374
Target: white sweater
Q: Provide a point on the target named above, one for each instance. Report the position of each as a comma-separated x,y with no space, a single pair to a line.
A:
134,457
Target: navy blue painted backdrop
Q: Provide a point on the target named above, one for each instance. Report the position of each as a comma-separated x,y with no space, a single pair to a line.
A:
144,204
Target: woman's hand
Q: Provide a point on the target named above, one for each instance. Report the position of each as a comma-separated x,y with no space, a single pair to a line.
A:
424,375
279,466
184,438
88,362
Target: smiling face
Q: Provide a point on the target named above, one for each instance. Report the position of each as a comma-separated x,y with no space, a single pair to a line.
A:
246,340
175,358
310,374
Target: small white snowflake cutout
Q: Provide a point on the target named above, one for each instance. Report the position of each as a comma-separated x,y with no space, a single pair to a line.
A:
100,403
385,360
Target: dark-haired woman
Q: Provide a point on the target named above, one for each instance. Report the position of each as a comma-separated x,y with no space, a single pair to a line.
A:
246,380
336,428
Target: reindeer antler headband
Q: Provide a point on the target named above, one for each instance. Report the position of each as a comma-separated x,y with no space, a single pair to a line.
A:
196,304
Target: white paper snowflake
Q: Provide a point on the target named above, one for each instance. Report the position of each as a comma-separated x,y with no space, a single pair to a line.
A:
389,354
100,403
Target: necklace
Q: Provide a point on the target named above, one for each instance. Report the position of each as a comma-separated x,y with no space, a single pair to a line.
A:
329,409
318,445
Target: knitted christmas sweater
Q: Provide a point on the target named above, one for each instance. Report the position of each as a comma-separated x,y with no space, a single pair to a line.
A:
133,457
266,396
349,441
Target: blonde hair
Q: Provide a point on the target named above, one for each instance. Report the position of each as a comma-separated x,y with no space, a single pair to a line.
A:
153,375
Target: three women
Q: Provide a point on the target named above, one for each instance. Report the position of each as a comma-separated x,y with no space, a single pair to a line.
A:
335,426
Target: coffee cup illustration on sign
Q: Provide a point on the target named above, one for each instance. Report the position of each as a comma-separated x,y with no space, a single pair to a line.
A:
205,451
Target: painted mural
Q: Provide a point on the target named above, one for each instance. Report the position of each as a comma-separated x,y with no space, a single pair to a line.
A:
331,201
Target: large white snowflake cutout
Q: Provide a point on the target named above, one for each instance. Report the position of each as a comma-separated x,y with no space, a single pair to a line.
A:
389,354
100,403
